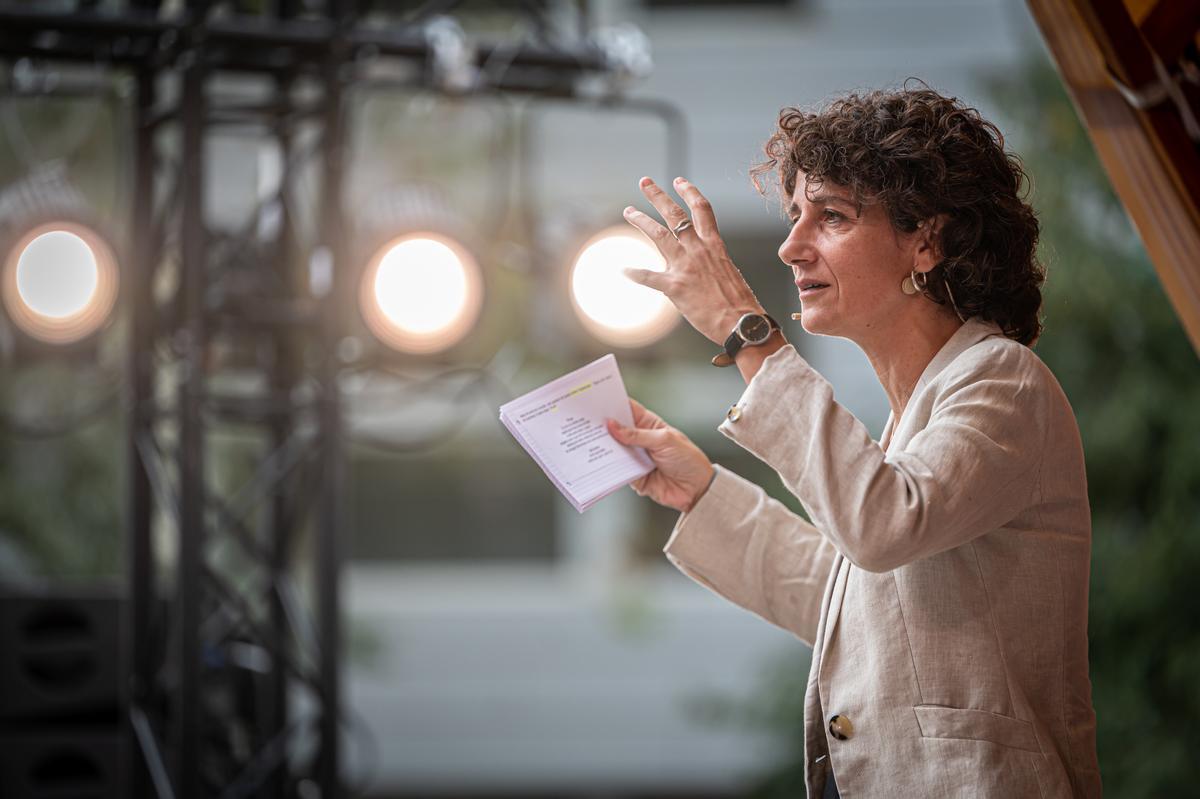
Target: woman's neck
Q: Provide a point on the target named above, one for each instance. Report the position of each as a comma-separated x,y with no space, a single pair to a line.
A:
900,354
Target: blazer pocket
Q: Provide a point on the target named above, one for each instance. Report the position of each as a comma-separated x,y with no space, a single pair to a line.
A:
939,721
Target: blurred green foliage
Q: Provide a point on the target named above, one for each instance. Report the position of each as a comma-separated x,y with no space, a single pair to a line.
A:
1133,379
60,495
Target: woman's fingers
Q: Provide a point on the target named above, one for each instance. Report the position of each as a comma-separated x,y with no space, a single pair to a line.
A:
646,438
703,218
662,238
647,277
671,213
704,221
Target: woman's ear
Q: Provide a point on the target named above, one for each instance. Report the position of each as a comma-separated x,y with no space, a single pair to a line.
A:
929,243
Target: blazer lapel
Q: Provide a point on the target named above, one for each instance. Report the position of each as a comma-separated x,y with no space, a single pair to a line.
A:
973,331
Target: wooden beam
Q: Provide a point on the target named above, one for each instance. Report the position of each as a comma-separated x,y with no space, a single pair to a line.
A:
1153,165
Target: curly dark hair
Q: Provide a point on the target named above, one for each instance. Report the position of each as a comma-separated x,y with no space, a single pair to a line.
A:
921,154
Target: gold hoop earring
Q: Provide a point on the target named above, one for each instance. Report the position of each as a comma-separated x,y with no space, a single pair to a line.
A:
912,284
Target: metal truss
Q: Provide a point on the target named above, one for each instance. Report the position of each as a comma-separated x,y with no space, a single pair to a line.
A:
233,627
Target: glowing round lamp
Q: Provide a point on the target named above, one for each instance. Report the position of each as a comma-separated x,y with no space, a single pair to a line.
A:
611,306
60,282
421,293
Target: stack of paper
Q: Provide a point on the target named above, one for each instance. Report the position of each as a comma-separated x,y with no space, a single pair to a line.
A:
561,426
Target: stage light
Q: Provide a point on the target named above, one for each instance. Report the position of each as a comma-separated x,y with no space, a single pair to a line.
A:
611,306
59,282
421,293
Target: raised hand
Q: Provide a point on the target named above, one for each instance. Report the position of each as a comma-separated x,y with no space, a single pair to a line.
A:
700,279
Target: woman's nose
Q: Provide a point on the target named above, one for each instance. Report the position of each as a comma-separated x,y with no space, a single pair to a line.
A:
795,248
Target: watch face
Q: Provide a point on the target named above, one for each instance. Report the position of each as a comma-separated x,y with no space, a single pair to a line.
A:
754,328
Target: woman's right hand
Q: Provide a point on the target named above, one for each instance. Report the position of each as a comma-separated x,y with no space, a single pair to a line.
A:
683,471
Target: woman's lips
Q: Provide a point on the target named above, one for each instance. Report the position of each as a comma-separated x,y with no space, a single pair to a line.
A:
810,287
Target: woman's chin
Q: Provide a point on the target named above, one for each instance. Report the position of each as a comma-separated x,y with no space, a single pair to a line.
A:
815,322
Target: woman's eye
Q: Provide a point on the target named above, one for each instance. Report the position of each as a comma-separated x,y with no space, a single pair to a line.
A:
830,215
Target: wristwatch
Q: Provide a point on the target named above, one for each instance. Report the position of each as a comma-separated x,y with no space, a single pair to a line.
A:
751,330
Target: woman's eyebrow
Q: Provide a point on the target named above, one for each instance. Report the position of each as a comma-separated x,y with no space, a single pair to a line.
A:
827,198
794,209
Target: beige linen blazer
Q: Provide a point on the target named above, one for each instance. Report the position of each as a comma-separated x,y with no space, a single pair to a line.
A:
943,583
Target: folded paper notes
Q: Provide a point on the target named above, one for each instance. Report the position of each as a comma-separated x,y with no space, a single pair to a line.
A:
561,426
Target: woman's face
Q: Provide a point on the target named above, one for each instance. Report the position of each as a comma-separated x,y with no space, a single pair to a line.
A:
848,262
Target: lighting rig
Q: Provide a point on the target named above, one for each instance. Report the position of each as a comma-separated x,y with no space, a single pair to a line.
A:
233,637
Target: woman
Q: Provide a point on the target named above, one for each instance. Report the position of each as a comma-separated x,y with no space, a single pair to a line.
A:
943,580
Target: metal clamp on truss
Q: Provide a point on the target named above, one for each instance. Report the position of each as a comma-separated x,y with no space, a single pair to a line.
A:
1155,93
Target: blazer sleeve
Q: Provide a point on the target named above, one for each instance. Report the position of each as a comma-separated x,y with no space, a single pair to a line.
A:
972,469
753,551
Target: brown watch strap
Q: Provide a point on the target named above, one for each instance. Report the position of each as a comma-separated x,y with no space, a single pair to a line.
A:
723,358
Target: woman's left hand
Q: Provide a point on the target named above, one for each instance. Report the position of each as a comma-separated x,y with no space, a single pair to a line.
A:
700,279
